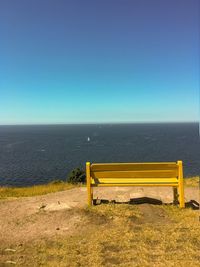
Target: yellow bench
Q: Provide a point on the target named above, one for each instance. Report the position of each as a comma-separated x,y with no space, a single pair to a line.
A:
136,174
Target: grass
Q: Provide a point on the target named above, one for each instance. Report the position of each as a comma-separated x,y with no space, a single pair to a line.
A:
192,181
36,190
111,235
118,235
56,186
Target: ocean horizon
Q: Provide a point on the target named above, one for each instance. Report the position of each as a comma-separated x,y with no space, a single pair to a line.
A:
37,154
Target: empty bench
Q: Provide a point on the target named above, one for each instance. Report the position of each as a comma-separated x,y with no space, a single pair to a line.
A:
136,174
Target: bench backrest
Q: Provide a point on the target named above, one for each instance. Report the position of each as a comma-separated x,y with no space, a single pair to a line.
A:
135,173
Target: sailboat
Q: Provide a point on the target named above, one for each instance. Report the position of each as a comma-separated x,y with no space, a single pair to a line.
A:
88,139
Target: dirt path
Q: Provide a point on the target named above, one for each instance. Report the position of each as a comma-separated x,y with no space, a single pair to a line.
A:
153,214
31,218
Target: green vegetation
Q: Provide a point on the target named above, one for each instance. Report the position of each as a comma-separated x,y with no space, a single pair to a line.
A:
119,235
76,176
35,190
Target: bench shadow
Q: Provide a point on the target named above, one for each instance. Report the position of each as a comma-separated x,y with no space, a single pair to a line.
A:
193,204
132,201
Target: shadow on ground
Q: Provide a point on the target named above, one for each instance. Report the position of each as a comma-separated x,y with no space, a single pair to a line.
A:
146,200
192,204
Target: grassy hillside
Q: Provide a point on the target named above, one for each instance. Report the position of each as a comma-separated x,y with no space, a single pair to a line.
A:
34,190
118,235
103,235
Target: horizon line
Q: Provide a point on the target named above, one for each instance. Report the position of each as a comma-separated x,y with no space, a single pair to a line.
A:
92,123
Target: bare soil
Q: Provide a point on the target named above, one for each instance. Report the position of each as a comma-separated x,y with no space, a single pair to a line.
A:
58,229
62,213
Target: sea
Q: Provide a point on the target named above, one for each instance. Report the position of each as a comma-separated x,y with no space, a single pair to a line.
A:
37,154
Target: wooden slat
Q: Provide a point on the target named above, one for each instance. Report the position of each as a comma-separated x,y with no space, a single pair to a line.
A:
117,185
135,181
135,174
133,166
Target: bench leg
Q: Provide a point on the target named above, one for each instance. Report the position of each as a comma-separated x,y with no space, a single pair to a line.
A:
181,194
90,194
175,193
89,187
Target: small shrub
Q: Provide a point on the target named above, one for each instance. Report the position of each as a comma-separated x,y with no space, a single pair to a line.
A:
76,176
57,182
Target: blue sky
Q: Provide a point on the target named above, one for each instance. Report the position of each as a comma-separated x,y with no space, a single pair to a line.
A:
99,61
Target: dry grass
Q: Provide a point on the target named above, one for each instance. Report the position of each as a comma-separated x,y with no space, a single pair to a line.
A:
112,235
56,186
192,181
52,187
118,235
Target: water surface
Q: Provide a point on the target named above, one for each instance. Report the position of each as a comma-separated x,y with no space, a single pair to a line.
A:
41,153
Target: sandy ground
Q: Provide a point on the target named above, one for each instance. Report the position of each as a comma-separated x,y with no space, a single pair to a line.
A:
30,218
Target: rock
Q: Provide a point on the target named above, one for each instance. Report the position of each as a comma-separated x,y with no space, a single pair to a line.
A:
97,201
56,206
10,250
42,206
11,262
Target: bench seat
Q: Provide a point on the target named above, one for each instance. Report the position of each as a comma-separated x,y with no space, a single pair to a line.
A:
135,181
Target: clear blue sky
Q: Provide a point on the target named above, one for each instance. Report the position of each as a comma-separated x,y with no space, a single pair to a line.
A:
70,61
